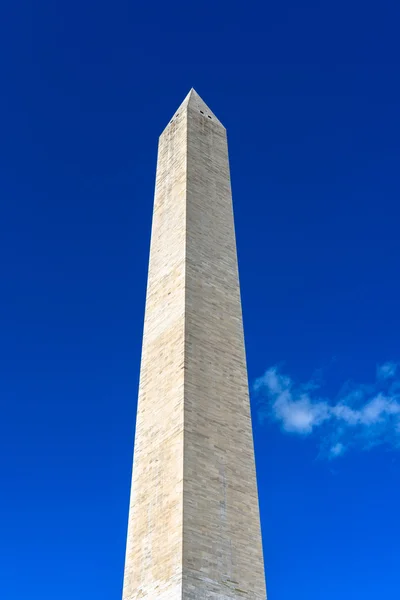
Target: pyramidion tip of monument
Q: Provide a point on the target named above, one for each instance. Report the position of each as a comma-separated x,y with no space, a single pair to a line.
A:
194,102
197,103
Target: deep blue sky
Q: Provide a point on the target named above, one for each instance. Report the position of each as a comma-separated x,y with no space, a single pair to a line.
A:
309,93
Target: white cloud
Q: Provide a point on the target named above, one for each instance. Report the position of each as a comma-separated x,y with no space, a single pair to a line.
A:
296,412
300,415
362,415
387,370
337,449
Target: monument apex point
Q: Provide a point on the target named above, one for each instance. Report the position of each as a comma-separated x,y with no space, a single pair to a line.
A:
194,102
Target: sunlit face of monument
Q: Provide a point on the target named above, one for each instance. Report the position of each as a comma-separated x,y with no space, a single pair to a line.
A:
194,527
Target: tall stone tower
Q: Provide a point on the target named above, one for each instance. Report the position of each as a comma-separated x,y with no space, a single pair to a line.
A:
194,528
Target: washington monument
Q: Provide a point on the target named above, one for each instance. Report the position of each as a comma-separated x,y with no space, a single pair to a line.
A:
194,525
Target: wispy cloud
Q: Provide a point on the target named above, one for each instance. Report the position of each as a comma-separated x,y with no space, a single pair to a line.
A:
361,415
387,370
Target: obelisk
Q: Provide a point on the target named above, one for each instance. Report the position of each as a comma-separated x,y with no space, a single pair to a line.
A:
194,526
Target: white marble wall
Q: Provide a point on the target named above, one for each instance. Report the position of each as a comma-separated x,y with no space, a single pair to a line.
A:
194,530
